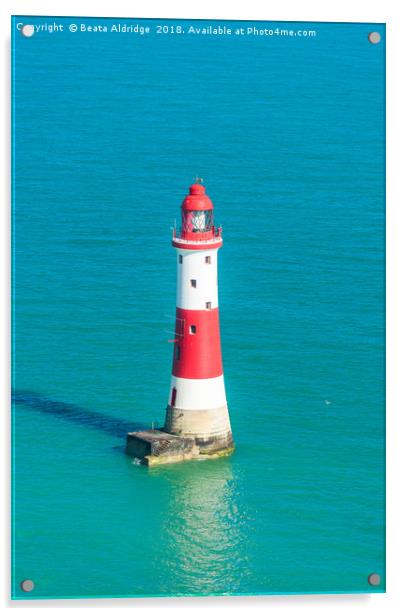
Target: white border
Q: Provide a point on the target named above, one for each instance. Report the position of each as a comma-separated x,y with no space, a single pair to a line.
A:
292,10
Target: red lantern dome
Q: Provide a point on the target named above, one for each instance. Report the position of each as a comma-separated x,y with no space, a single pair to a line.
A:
197,220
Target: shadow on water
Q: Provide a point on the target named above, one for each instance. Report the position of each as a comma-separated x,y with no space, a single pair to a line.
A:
77,414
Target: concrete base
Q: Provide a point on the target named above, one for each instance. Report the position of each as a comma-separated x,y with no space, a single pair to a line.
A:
154,447
210,428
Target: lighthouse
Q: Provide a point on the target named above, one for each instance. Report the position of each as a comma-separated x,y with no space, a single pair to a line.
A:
197,424
197,404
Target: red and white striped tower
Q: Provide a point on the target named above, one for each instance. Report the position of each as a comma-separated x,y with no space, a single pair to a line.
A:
197,401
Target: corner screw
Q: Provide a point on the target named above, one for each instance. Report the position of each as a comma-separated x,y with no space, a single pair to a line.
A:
27,585
374,579
28,30
374,37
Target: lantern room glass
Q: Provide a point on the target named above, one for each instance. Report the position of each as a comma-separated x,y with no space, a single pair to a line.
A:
197,221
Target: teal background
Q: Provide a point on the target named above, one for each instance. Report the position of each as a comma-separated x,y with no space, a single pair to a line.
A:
288,134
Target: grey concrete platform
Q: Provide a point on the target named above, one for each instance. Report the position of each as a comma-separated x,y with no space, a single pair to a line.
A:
154,447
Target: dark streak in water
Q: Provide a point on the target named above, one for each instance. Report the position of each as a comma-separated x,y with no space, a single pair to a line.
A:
76,414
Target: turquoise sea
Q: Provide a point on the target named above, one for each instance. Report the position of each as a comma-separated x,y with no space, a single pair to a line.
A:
109,130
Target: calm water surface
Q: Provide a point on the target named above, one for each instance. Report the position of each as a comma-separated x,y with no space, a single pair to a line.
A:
288,135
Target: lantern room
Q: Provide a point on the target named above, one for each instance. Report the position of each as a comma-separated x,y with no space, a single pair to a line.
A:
197,218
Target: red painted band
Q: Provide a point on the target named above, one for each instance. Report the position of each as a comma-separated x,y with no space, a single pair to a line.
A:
197,352
198,246
197,237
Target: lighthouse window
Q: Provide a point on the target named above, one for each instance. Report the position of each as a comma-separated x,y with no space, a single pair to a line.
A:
193,283
193,329
180,258
177,352
208,305
207,259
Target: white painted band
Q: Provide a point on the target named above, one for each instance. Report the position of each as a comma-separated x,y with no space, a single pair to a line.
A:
198,394
197,279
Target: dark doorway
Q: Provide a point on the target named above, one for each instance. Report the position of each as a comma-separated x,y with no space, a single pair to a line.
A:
173,398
